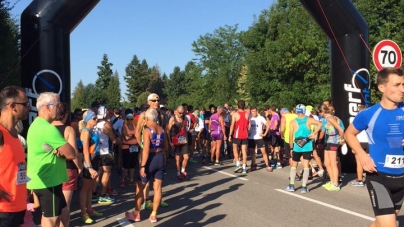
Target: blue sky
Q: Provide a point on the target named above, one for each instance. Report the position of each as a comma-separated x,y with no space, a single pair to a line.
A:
160,31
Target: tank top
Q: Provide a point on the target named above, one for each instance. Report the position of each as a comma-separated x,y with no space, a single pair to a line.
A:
302,132
331,133
157,141
241,127
104,139
215,127
13,173
127,143
176,129
289,117
94,142
69,163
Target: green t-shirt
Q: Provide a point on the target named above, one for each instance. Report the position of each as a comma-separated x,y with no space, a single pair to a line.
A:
44,168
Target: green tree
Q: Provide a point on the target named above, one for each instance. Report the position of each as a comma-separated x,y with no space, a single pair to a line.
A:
175,87
137,78
113,92
383,22
142,99
79,100
156,84
9,47
221,55
287,57
195,87
104,77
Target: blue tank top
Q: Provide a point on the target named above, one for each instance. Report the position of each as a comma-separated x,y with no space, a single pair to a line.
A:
385,130
302,132
157,141
94,141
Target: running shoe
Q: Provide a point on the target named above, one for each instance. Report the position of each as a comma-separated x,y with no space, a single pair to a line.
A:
95,214
217,163
211,162
304,190
122,184
357,183
153,219
340,178
238,168
132,182
327,185
184,174
290,188
203,161
269,169
244,171
112,191
180,177
193,160
105,200
86,219
164,204
278,165
131,216
333,188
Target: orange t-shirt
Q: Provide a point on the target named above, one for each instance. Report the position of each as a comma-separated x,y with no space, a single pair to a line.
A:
13,172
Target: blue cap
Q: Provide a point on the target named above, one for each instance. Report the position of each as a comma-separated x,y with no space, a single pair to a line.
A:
300,109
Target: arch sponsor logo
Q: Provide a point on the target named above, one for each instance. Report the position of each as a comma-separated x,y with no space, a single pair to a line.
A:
358,91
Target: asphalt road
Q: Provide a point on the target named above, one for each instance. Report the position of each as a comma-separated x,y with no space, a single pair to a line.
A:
216,196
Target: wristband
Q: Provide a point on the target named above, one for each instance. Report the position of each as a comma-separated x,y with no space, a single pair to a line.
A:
89,167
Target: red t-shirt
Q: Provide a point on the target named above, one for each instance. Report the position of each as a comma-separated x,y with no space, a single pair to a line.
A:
13,172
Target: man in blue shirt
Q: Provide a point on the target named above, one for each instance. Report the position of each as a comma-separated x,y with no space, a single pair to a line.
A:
384,166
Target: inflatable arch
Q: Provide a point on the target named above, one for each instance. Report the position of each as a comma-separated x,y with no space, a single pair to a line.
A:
45,44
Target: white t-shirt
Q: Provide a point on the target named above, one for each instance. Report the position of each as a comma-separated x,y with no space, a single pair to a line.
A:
257,124
118,125
199,125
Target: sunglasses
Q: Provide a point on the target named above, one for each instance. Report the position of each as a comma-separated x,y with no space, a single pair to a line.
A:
154,100
55,104
94,118
180,113
26,104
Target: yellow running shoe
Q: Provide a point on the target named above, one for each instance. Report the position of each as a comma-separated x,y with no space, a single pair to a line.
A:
86,219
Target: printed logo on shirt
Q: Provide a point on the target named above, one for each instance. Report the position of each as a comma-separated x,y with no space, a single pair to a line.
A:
399,118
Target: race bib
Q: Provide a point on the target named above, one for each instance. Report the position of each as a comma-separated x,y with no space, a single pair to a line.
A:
22,177
182,139
394,161
133,148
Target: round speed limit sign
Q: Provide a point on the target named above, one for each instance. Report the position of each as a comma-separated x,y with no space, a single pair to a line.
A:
387,54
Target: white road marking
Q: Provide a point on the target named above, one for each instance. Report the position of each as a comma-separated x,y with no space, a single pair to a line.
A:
327,205
124,222
228,174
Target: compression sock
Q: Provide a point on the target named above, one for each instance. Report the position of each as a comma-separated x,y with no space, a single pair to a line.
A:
292,175
306,173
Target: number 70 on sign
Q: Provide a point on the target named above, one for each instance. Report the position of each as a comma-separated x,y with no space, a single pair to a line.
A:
387,54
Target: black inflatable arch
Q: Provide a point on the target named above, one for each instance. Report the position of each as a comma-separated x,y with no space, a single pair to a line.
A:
45,44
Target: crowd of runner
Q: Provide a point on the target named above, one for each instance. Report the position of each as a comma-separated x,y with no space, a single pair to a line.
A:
141,142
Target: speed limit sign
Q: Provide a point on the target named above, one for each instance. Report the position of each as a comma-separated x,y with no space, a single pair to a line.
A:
387,54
